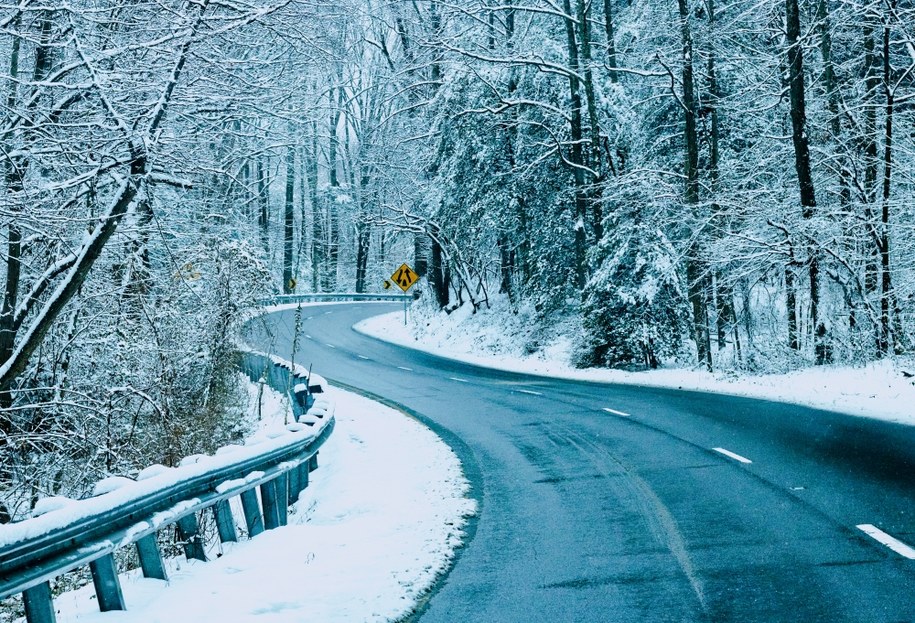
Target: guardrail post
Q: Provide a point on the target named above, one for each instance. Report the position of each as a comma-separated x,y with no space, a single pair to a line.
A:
304,468
278,378
107,584
151,558
294,487
225,523
252,511
281,486
189,533
271,512
39,606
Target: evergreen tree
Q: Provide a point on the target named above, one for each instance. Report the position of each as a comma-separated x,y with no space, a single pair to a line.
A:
634,313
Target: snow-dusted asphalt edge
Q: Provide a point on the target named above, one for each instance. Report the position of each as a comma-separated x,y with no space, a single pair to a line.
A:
876,391
468,463
471,472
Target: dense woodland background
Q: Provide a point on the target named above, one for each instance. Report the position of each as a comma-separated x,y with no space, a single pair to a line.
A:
728,185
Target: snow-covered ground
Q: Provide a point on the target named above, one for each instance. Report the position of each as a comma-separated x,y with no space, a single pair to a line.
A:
878,390
368,537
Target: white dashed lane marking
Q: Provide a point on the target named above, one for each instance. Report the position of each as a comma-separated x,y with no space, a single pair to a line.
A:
403,368
528,391
363,357
454,378
892,542
330,346
615,412
732,455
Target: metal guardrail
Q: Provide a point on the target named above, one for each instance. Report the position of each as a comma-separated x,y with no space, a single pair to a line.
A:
279,375
37,550
332,297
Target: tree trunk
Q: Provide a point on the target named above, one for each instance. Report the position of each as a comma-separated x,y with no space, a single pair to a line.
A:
363,235
829,74
611,43
420,254
245,194
575,126
333,247
832,95
318,234
726,317
695,269
101,232
872,85
363,240
306,216
263,202
363,246
289,222
506,266
791,305
885,340
802,156
594,157
515,237
333,226
435,20
13,177
439,271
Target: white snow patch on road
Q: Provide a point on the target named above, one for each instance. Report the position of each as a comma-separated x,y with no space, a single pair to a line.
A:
877,390
380,521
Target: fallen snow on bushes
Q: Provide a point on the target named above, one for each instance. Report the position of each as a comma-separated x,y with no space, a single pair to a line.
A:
879,390
379,522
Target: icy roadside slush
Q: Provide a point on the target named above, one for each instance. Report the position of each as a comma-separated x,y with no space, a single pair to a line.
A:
370,535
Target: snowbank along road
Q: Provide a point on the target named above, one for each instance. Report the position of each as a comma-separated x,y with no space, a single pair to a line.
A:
616,503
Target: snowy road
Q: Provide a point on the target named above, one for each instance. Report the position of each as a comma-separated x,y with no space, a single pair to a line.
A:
614,503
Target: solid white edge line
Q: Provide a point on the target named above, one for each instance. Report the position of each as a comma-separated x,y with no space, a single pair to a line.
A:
454,378
615,412
403,368
734,456
882,537
528,391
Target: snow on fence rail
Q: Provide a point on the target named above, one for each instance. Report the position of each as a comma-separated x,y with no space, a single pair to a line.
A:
74,533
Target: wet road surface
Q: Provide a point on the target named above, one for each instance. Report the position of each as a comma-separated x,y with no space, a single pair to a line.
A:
609,503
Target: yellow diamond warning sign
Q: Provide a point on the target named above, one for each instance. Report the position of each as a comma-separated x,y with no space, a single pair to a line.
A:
404,277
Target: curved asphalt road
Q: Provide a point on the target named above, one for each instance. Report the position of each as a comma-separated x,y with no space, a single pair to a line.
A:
588,514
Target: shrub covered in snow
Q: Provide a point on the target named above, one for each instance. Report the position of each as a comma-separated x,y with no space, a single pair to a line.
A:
634,313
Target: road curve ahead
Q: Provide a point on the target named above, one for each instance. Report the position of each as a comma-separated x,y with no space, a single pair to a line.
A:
620,503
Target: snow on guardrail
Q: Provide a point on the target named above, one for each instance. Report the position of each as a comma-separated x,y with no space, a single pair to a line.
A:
134,490
64,534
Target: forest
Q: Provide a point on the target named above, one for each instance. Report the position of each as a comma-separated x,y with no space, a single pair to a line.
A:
723,185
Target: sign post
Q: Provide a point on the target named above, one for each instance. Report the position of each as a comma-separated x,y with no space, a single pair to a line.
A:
405,277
